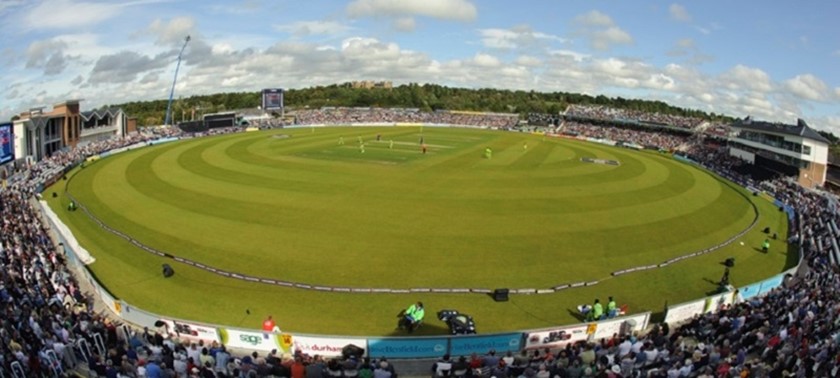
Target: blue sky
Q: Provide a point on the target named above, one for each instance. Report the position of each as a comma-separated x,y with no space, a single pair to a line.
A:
773,60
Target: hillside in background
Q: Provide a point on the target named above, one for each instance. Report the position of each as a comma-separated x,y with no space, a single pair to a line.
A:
426,97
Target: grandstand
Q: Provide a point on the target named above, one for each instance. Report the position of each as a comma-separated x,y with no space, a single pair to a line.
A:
368,115
775,149
589,113
50,327
39,133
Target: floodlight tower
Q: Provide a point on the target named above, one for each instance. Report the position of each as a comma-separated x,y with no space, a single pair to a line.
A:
172,92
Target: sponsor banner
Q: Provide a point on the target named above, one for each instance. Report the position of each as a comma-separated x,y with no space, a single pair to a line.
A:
325,346
162,140
190,331
557,337
302,126
610,327
716,302
466,345
117,151
80,252
750,291
408,348
137,316
601,141
685,311
771,283
261,341
107,299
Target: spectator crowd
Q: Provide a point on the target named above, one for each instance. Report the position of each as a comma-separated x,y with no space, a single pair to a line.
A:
603,113
48,323
661,140
348,116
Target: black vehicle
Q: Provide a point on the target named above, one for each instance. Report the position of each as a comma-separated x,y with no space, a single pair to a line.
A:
459,324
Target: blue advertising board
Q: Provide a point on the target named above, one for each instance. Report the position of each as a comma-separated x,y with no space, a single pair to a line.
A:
750,291
466,345
771,283
415,347
7,150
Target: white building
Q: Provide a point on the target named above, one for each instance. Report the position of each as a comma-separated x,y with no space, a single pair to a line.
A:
103,124
39,134
792,150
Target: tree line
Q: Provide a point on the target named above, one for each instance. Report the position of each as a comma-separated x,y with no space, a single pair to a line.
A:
426,97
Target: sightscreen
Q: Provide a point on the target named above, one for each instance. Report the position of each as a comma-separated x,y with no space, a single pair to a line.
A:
7,150
213,121
272,99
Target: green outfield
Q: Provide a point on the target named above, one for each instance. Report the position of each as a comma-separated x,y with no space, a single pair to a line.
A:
314,207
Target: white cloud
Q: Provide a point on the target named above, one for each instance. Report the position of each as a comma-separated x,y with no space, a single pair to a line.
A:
64,52
124,67
221,48
601,31
836,53
518,37
830,123
808,87
691,54
498,38
535,60
453,10
8,4
577,56
595,18
172,32
369,49
47,54
679,13
686,43
530,61
486,60
659,81
239,7
404,24
614,35
749,78
305,28
53,14
706,30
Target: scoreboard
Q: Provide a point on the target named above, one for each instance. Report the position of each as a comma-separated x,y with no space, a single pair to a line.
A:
272,99
7,150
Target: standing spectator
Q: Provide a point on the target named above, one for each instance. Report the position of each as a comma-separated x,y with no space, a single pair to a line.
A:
269,327
222,357
612,310
383,371
597,310
298,370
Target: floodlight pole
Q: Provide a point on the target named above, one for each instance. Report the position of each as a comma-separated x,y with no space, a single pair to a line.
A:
172,91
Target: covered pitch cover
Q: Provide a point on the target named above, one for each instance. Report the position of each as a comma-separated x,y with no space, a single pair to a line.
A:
7,151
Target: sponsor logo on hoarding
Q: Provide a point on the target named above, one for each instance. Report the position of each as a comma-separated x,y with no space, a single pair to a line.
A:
250,339
318,347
